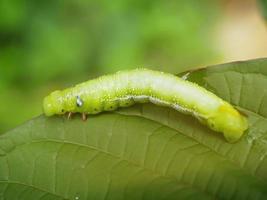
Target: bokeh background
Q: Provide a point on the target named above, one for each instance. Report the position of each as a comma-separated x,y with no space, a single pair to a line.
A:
53,44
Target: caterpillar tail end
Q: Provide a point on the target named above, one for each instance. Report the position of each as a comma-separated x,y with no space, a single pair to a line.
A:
230,122
233,135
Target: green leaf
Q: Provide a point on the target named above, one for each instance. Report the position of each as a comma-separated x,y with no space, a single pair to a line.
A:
145,151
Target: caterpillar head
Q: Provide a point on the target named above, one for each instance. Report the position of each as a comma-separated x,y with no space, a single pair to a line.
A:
228,121
53,104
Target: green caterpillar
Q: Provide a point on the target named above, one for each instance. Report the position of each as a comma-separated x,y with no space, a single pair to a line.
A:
126,88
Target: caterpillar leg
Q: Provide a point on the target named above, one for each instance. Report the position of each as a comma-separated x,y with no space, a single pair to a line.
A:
84,117
69,115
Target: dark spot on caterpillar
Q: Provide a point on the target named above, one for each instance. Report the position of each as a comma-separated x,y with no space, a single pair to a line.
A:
62,110
111,107
79,102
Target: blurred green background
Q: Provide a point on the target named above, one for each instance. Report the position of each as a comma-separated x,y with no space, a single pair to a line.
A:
53,44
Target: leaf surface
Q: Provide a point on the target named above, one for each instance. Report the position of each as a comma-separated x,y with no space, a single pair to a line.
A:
145,151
